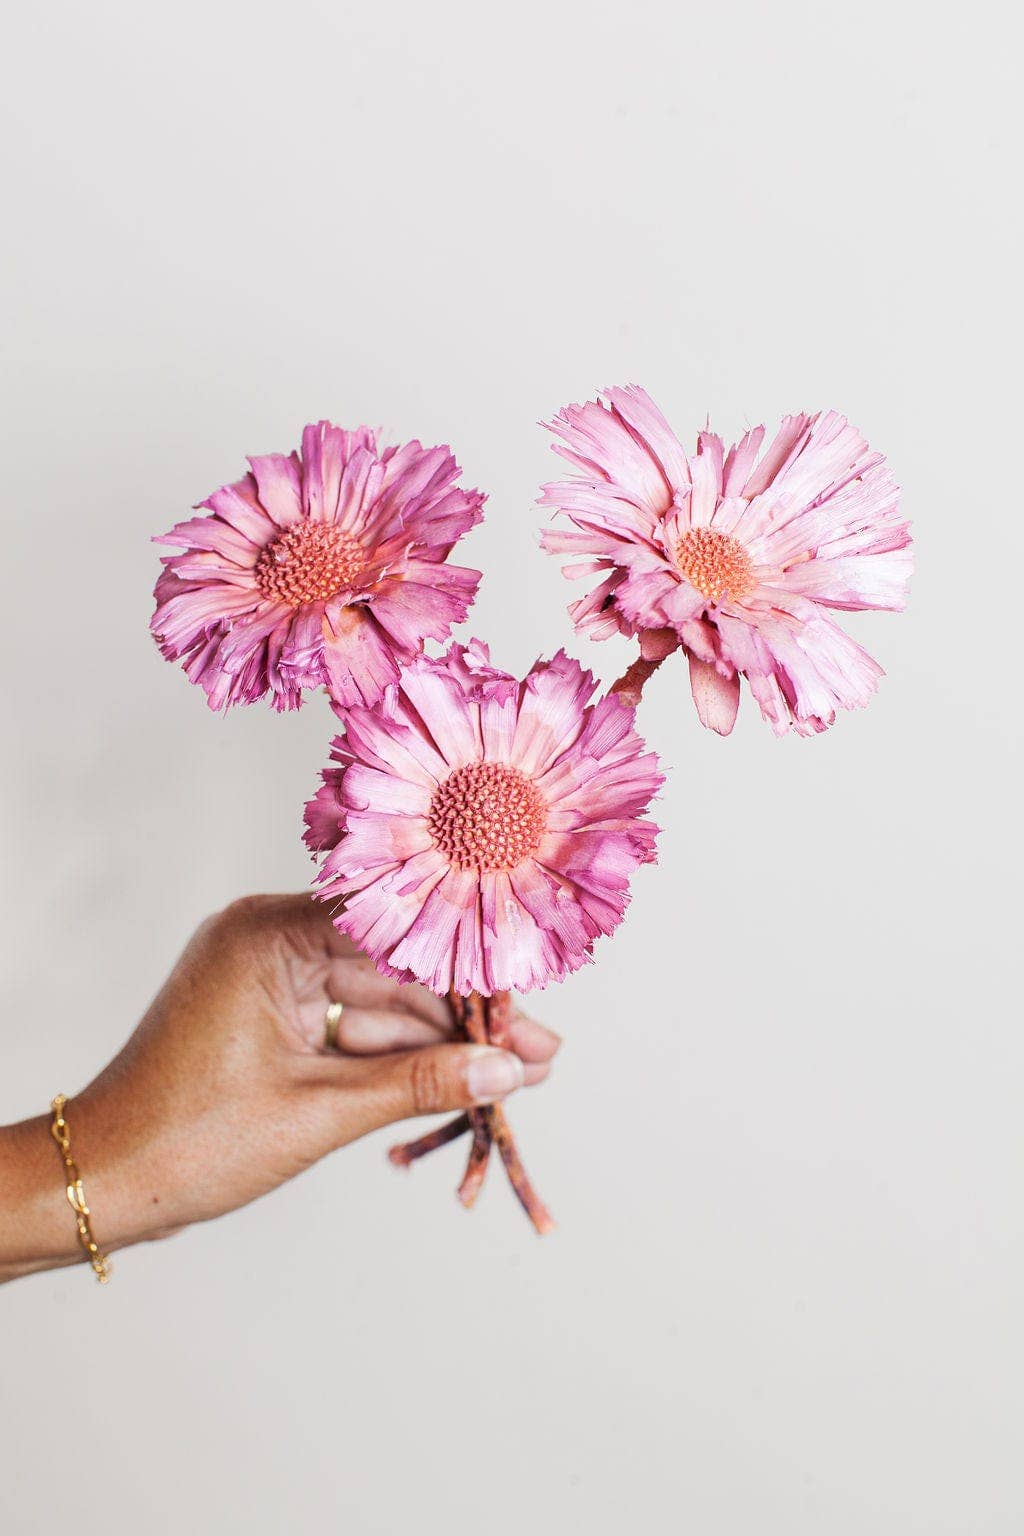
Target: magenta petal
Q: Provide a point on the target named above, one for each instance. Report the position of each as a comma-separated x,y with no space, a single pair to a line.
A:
278,481
274,590
358,660
325,814
412,611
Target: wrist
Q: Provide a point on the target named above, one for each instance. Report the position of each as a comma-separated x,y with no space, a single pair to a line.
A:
37,1223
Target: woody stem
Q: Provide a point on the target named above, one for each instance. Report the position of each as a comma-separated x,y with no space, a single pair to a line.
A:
484,1021
404,1155
630,685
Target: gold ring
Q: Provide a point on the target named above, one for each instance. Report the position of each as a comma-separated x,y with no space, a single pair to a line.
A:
331,1021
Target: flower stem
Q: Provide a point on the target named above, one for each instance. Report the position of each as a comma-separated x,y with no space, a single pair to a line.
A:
498,1013
630,685
485,1021
405,1155
532,1204
655,645
479,1157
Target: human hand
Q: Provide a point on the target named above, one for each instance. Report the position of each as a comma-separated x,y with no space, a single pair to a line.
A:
227,1089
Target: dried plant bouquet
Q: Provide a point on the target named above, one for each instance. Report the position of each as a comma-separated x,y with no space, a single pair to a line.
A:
477,832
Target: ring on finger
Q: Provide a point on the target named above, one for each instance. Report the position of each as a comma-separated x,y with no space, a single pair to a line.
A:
332,1020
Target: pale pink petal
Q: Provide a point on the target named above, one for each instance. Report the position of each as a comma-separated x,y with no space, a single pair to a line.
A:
705,493
600,442
428,949
597,614
551,713
739,461
812,522
711,450
646,597
792,433
717,698
701,637
378,916
854,583
441,703
186,610
395,743
652,431
553,906
518,953
430,863
375,790
377,840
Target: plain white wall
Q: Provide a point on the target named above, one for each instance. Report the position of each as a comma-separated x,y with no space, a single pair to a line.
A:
784,1137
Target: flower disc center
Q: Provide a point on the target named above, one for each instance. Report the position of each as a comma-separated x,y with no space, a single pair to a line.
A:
487,816
308,563
715,563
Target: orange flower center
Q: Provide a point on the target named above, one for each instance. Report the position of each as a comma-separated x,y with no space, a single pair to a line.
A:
487,816
715,563
308,563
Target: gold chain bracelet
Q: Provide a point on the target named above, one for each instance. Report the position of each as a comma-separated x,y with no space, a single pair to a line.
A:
76,1194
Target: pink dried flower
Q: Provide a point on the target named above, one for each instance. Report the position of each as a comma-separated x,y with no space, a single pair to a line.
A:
325,567
482,831
738,557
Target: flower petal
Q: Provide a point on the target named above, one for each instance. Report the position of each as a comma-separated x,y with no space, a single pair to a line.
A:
717,697
357,658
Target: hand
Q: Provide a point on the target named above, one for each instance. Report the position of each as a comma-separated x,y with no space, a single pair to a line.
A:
226,1088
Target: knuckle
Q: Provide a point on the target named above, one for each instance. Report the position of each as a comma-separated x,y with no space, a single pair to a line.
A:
428,1083
243,912
207,928
235,926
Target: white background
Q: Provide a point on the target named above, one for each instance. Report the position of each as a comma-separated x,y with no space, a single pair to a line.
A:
784,1137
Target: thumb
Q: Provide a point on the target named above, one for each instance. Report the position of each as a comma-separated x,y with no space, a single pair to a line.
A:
437,1078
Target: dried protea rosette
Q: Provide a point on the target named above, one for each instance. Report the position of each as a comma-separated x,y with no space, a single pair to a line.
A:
478,833
734,557
324,567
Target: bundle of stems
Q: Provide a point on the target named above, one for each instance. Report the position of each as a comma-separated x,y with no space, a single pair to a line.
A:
484,1021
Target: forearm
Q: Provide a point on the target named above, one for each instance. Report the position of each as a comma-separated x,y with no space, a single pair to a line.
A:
37,1225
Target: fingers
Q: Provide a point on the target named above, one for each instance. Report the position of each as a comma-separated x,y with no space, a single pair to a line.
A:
358,984
433,1079
374,1031
531,1041
371,1031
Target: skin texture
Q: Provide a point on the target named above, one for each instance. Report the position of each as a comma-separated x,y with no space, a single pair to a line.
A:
226,1089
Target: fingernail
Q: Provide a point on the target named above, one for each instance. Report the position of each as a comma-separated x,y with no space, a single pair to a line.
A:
491,1074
